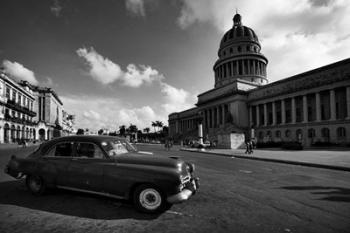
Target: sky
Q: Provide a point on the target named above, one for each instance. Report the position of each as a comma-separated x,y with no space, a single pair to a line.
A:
122,62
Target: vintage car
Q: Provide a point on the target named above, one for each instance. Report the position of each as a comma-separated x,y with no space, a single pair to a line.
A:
108,166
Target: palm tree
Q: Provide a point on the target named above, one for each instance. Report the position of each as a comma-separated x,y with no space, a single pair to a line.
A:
146,130
159,124
154,125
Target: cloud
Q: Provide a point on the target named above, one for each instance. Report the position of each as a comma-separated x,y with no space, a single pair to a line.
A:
176,99
135,77
107,113
296,36
136,7
106,72
102,69
19,72
56,8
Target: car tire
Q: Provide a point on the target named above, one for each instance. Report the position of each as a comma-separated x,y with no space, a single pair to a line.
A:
150,199
35,184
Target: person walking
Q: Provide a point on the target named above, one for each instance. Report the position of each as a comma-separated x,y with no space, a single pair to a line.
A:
250,145
247,146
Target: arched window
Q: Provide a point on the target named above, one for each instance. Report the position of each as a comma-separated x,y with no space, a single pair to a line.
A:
311,133
299,134
239,49
231,50
278,134
287,133
261,135
248,48
341,132
325,132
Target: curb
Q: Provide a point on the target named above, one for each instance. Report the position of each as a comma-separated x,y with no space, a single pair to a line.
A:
306,164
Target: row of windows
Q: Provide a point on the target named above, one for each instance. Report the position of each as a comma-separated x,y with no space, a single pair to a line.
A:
311,133
240,49
18,97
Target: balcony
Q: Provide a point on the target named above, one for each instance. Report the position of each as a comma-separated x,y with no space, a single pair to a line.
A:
15,106
19,120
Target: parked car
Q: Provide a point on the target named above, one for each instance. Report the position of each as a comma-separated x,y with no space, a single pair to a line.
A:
108,166
197,144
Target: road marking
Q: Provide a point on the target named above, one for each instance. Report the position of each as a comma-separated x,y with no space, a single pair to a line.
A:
178,213
245,171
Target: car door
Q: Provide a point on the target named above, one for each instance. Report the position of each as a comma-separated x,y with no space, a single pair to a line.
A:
85,169
54,163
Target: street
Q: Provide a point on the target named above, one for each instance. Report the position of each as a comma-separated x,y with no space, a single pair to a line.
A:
236,195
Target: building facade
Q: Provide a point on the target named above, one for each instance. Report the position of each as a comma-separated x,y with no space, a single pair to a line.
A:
29,112
16,112
310,108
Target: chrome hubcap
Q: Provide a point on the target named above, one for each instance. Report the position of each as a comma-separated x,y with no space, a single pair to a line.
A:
150,199
35,184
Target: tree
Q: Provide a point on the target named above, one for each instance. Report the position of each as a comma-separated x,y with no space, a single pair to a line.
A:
100,132
122,130
165,129
132,129
146,130
154,125
80,132
159,124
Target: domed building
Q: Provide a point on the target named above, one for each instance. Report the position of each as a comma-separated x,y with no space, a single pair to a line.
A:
312,108
240,57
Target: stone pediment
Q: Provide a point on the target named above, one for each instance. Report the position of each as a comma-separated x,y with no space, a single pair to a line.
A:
236,87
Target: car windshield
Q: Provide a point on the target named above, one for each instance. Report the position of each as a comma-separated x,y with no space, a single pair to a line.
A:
117,147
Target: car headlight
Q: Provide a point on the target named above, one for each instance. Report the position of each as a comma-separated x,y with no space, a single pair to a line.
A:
190,167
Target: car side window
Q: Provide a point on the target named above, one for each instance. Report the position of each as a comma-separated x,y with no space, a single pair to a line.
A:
89,150
63,149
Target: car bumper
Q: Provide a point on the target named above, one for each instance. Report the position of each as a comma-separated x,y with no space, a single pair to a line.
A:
186,193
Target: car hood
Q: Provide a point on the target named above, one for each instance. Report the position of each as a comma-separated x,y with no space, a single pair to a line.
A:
152,160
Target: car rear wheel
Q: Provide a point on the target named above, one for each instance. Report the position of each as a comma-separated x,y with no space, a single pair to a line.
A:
150,199
35,184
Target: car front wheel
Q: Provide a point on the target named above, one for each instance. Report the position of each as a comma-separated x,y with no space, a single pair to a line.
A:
149,199
35,184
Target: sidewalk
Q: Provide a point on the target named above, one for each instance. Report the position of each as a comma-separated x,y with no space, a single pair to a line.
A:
336,160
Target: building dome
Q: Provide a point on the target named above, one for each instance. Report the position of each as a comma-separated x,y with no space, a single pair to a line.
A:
239,56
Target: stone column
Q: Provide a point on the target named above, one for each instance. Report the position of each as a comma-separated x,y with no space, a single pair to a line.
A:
254,69
283,112
305,109
212,118
257,115
250,115
223,114
237,68
232,70
348,102
218,116
318,106
265,114
274,119
293,111
332,105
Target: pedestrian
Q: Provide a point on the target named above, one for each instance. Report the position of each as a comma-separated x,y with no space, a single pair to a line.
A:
251,147
166,145
246,146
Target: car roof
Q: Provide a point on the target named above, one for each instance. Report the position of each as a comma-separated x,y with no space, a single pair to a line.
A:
79,138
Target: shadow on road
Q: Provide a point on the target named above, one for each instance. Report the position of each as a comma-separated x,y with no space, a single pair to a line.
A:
337,194
69,203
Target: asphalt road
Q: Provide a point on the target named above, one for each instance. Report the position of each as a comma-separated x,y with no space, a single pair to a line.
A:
236,195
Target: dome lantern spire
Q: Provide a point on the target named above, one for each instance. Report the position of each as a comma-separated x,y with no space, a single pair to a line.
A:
237,19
